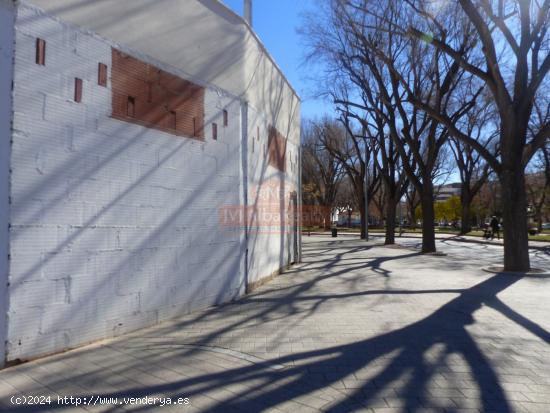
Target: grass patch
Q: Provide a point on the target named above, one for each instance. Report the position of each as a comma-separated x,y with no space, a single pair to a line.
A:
540,237
543,236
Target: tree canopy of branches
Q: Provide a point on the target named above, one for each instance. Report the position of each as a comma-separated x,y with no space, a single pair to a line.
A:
356,159
538,186
431,63
322,172
511,57
473,169
384,70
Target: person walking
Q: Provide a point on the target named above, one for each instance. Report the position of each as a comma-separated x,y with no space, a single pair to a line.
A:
495,227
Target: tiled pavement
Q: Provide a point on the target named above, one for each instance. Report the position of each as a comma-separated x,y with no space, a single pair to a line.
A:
355,327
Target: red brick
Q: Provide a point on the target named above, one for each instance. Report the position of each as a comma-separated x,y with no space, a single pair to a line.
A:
162,100
102,74
276,149
40,52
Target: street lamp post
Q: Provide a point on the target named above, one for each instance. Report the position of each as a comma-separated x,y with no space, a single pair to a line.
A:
400,219
366,192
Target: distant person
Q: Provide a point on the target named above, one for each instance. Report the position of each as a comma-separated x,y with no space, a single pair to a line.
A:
495,227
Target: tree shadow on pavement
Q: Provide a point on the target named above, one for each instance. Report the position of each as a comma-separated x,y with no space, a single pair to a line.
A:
414,356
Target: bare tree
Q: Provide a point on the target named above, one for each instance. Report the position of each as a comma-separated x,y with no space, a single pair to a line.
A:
388,162
346,200
413,201
321,170
538,185
513,41
355,156
473,169
403,68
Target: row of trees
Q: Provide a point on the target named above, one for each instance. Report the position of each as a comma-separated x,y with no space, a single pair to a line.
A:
416,79
327,184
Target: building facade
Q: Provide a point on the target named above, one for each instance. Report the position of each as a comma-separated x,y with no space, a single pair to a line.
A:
149,167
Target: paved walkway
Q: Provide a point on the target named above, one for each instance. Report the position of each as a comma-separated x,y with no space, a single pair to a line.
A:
355,327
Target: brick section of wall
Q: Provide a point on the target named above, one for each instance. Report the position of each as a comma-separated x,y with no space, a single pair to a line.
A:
276,149
149,96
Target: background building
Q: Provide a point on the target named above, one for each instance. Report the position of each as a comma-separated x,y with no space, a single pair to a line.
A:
149,167
444,192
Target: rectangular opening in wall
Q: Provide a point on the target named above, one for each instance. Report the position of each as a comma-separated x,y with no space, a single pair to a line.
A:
172,119
154,94
131,107
276,149
40,52
102,75
215,131
77,90
257,133
225,118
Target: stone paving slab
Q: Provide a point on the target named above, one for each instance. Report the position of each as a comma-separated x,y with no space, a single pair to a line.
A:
357,327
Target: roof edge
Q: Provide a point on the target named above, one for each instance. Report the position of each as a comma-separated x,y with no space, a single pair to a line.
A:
258,40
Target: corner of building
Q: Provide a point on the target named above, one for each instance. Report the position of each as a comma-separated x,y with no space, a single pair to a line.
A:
7,41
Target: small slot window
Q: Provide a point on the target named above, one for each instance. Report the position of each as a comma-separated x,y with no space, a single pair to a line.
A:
40,52
77,90
194,126
131,107
102,75
225,118
215,131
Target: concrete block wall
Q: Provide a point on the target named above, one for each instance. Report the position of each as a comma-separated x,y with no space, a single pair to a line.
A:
7,17
113,225
269,196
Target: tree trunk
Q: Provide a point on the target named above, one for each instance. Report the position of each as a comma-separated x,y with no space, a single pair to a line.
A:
428,216
391,207
412,220
514,217
466,215
410,212
327,219
361,203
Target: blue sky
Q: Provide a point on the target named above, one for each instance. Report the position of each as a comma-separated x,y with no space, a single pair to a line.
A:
275,22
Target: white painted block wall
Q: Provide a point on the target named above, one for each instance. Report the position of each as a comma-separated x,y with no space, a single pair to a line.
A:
113,226
7,15
270,241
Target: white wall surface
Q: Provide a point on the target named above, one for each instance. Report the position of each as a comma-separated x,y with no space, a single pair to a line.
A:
7,14
270,235
114,226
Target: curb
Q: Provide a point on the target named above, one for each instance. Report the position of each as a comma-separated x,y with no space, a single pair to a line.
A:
456,238
535,272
